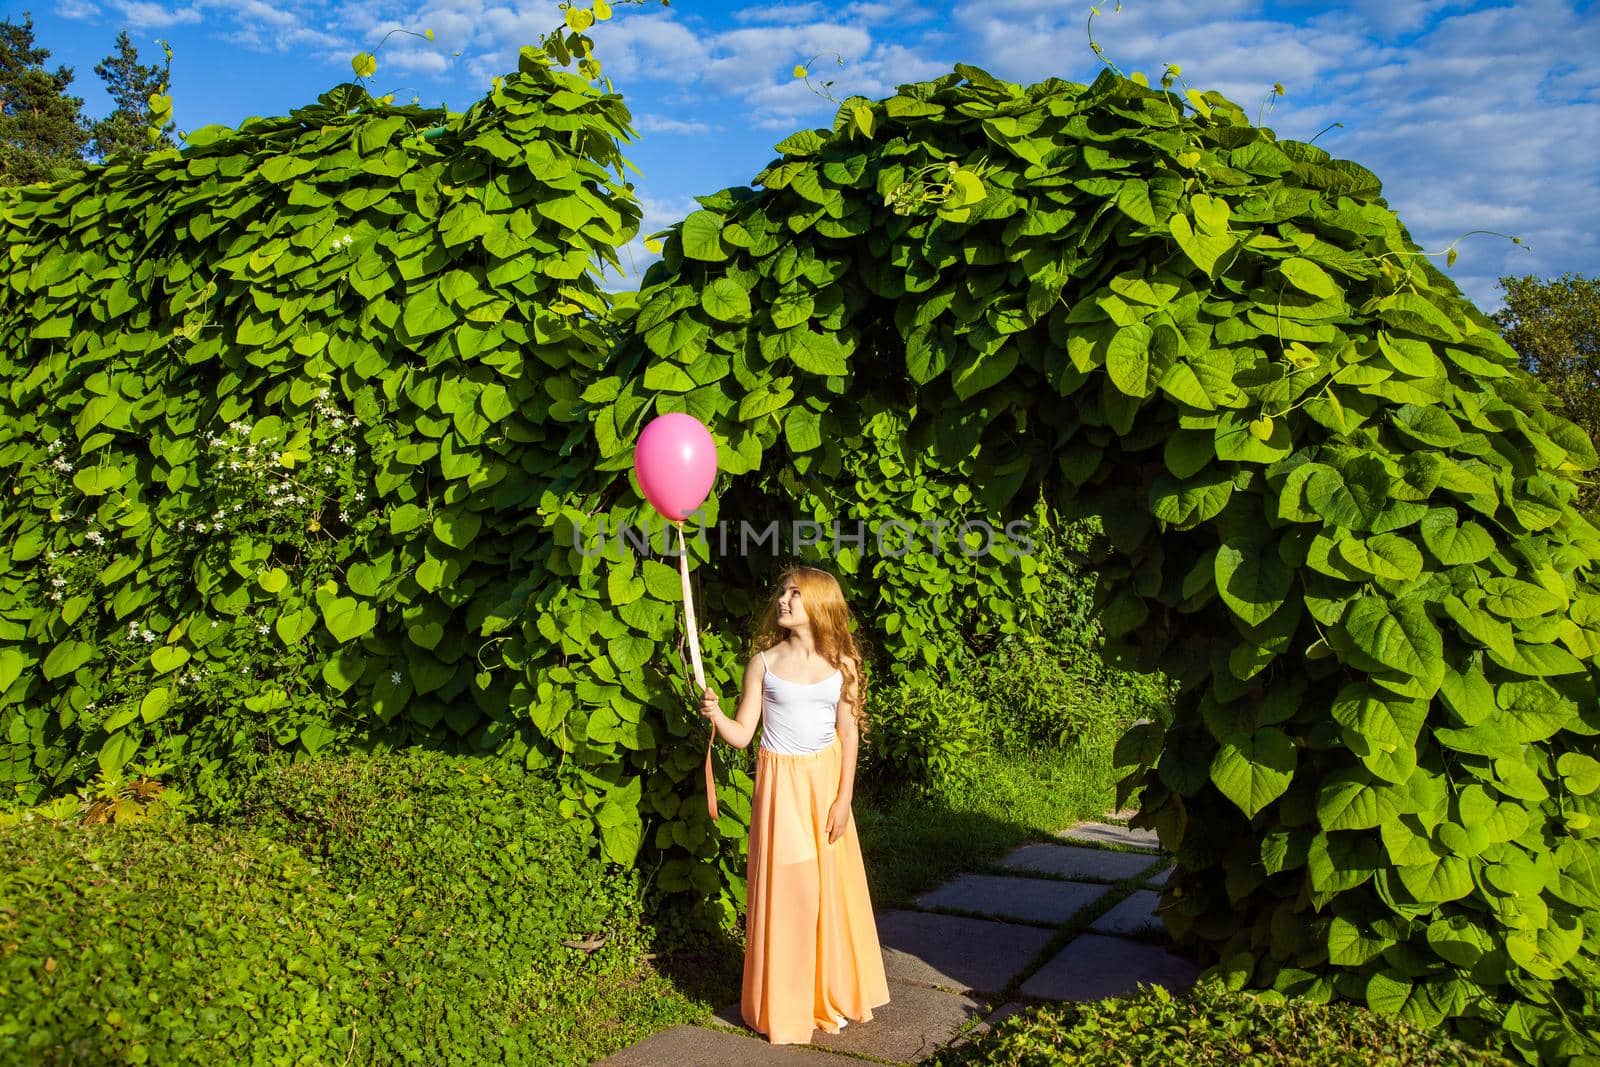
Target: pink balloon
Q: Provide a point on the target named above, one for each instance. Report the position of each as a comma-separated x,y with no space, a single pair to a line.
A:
676,463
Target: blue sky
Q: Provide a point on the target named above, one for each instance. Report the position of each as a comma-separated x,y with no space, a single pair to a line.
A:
1474,115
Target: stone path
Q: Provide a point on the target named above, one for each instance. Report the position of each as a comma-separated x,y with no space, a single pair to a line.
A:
1048,922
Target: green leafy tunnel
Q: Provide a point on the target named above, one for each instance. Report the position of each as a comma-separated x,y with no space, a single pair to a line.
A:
1335,510
1340,516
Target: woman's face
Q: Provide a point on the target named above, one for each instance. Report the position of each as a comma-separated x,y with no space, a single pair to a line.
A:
791,612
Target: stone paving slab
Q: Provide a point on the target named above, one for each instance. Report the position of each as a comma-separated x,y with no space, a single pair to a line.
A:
1037,900
999,1015
916,1022
697,1046
1070,861
1102,833
1160,880
961,954
1093,966
1134,916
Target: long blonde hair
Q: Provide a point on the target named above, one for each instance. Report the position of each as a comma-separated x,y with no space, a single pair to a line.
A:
830,617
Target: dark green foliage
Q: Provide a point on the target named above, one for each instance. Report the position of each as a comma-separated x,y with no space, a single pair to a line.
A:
269,401
391,909
925,738
1337,513
41,130
1048,687
1554,324
131,84
1209,1026
1037,700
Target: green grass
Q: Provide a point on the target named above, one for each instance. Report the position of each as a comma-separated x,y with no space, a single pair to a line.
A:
378,817
910,845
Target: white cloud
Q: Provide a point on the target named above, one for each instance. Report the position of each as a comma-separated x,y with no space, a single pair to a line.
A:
415,59
654,46
139,15
901,12
741,57
780,13
663,124
77,9
260,12
755,64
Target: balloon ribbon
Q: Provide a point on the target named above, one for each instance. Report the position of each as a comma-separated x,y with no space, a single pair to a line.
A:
694,655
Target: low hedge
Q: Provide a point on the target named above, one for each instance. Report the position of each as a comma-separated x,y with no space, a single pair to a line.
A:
1209,1026
395,909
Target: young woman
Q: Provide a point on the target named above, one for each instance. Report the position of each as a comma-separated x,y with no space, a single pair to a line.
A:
812,957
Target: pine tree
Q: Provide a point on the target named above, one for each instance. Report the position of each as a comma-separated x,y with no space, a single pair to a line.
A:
42,133
131,84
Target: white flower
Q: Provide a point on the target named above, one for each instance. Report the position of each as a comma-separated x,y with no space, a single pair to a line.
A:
233,464
58,581
200,527
274,457
338,423
262,628
344,517
360,496
327,468
181,524
148,636
96,537
56,595
238,507
354,421
394,677
50,554
250,450
213,624
216,516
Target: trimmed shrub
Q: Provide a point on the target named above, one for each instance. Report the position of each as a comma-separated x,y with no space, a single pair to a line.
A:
1209,1026
396,909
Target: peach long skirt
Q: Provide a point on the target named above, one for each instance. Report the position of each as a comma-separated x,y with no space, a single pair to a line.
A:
811,954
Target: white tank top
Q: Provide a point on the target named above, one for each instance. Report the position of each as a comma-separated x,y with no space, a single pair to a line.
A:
797,719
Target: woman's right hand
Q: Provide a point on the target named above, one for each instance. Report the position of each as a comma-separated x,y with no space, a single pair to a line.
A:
710,705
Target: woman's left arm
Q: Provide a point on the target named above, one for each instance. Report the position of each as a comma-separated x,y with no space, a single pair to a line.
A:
849,742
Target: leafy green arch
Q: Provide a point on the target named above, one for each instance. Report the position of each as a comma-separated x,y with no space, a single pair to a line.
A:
1338,514
276,411
1335,511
